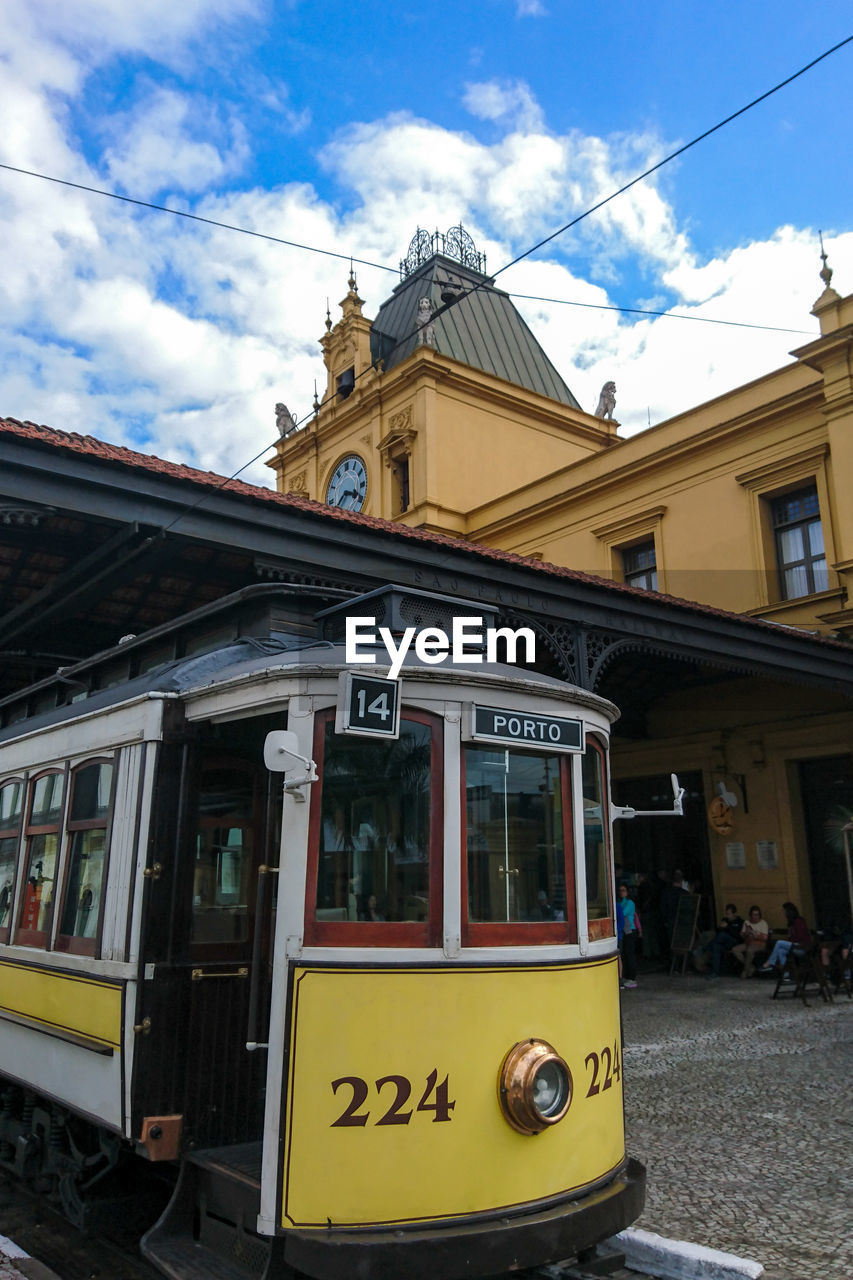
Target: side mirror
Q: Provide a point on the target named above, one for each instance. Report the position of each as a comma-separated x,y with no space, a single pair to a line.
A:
280,756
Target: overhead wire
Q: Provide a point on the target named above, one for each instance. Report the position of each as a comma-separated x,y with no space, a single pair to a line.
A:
197,217
348,257
465,293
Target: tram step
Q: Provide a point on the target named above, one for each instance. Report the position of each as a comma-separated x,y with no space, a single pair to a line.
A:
207,1231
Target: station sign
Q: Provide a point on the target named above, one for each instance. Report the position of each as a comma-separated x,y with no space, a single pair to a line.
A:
524,729
368,705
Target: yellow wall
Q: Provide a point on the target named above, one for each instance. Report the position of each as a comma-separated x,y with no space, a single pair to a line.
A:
496,463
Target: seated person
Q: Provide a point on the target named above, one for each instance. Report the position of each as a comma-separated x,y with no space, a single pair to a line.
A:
799,940
726,938
755,935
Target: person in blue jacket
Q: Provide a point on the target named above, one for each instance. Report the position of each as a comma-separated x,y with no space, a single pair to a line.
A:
626,931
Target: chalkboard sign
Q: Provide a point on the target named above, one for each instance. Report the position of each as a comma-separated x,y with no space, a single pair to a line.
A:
684,928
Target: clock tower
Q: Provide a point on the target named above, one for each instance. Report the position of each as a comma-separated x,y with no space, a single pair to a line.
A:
444,402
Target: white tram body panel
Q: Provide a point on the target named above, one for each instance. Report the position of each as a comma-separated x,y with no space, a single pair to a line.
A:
68,1017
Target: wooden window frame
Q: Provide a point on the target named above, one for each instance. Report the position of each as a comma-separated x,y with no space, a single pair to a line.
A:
522,933
41,937
390,933
603,926
781,527
219,952
69,942
14,833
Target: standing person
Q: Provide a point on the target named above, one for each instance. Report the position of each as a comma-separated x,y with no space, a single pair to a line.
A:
754,936
647,900
799,939
669,905
625,908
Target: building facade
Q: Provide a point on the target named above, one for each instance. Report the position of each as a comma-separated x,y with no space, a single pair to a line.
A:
445,414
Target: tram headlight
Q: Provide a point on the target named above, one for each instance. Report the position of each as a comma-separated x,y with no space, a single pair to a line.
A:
534,1086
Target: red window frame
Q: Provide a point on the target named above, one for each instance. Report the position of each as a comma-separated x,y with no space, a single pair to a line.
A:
13,833
523,933
603,926
68,941
41,937
389,933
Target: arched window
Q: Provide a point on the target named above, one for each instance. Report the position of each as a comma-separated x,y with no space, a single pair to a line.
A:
86,877
11,806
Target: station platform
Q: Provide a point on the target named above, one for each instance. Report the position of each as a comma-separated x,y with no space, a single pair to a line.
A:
739,1106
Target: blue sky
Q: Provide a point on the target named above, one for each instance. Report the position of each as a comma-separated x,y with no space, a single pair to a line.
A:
348,125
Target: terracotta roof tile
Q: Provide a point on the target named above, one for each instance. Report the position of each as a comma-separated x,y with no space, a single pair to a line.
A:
89,446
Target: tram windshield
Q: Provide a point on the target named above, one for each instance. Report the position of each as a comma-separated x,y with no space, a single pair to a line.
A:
374,838
515,837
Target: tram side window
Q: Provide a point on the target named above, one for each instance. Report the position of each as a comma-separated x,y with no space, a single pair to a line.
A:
515,834
224,852
596,849
80,920
11,807
44,824
373,856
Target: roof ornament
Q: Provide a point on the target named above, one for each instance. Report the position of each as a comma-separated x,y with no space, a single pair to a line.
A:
353,286
606,401
425,323
328,318
316,401
455,243
826,272
285,421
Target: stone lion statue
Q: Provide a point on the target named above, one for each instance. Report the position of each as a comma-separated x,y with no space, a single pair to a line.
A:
606,401
426,328
284,419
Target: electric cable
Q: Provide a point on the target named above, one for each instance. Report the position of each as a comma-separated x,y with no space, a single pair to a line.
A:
481,284
347,257
666,315
196,217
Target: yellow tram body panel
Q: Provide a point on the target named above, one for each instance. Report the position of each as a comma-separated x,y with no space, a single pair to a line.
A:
380,1043
74,1006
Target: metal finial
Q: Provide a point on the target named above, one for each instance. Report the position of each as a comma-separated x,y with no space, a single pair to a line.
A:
352,281
826,272
316,401
328,317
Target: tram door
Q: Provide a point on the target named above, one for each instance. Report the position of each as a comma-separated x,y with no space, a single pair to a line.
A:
201,989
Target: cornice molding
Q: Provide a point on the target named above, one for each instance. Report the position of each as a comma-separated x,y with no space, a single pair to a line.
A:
791,467
629,525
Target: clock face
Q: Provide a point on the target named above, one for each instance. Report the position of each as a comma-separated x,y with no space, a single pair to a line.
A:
347,487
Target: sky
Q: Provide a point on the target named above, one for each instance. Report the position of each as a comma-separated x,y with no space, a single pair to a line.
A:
346,127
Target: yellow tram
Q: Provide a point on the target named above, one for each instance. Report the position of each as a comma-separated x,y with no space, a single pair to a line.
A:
338,949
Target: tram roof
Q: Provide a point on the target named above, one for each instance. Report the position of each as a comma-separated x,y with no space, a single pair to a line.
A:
278,653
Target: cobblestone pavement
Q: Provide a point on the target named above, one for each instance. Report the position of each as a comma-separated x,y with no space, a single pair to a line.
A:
741,1108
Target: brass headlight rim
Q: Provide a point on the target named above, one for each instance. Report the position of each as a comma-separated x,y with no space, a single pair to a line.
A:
516,1080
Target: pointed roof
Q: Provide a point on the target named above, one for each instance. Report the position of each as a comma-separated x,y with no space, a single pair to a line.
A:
481,328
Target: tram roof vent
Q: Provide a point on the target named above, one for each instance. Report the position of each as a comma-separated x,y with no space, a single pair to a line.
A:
398,607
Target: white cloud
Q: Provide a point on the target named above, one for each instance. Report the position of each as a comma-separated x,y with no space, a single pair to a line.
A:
180,338
530,9
508,100
173,140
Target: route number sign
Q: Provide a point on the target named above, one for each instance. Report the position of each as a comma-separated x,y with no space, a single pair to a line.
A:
368,705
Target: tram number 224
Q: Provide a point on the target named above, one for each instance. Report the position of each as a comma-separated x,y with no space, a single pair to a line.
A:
434,1098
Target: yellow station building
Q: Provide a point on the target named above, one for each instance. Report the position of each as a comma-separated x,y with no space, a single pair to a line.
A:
444,413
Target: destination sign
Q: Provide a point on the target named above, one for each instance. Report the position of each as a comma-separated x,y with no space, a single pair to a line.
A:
526,729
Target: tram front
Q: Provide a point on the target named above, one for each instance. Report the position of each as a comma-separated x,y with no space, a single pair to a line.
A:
444,1090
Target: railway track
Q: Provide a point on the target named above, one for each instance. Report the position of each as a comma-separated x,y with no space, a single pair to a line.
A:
111,1253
